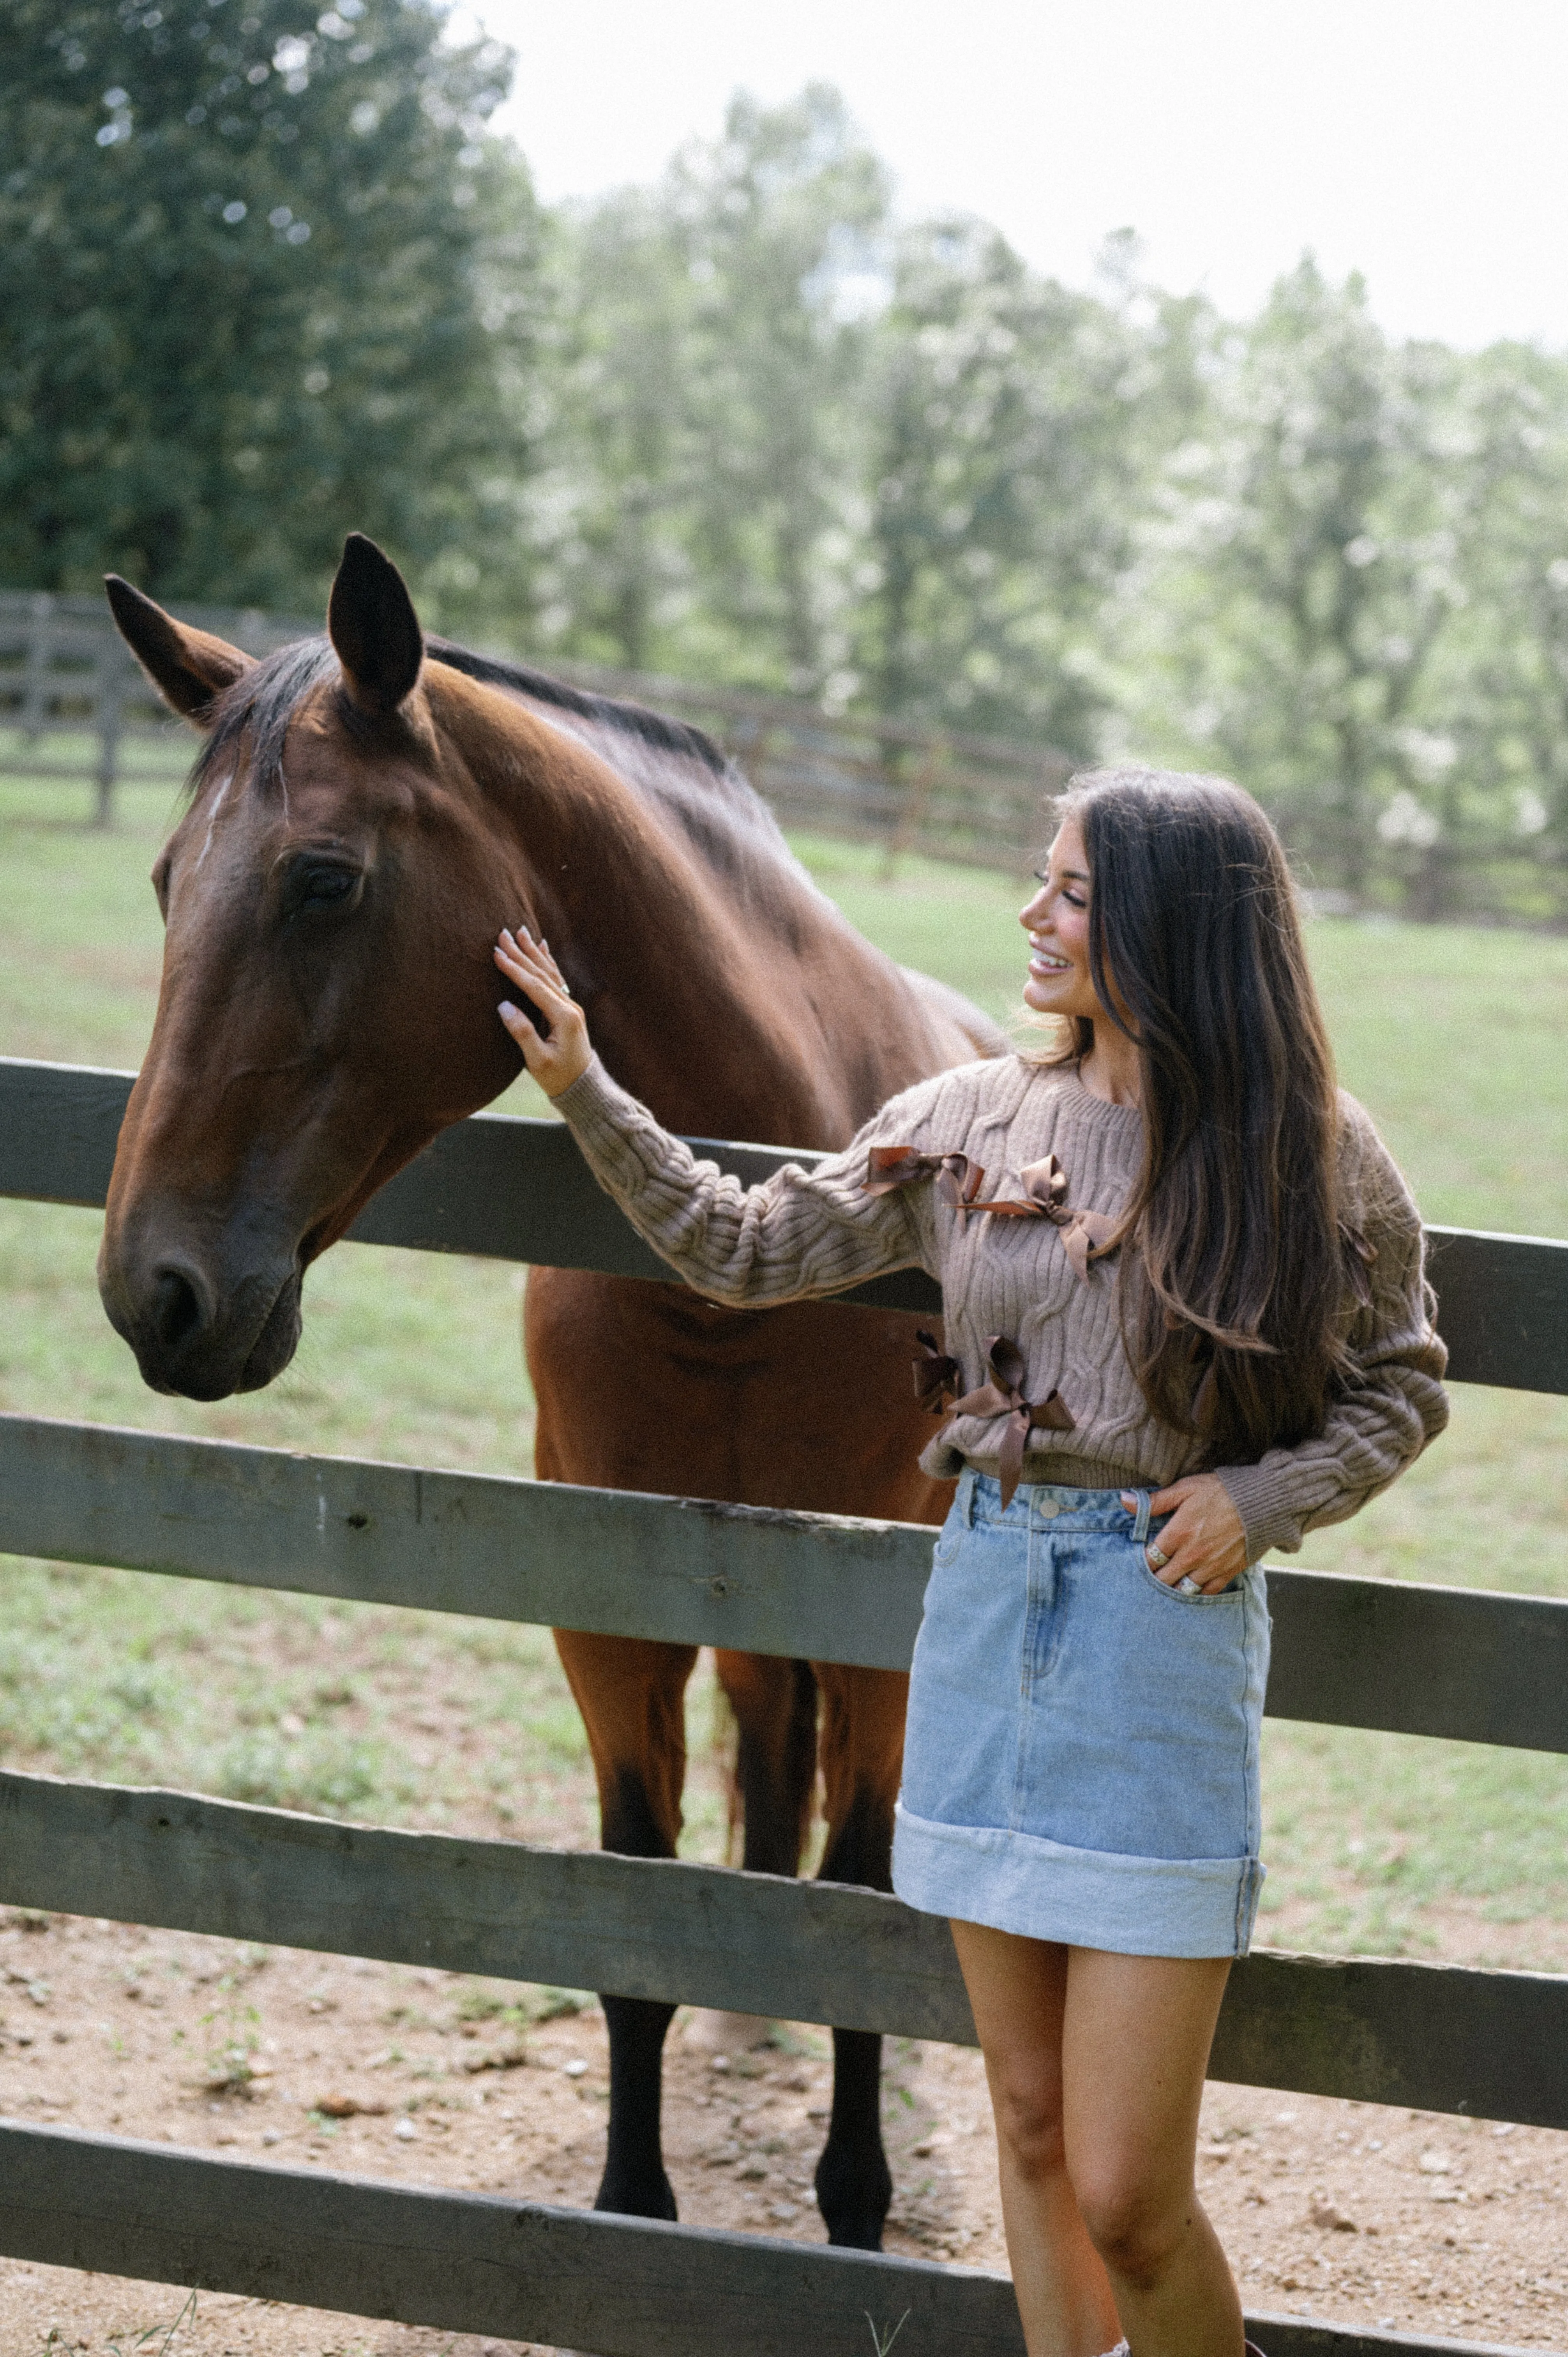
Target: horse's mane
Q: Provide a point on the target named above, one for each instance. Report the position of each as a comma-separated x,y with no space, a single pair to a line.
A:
677,766
631,719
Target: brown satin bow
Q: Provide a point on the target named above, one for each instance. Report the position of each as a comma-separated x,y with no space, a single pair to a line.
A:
957,1178
935,1374
1085,1234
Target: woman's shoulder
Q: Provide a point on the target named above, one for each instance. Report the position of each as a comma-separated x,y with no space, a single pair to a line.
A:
1371,1184
937,1113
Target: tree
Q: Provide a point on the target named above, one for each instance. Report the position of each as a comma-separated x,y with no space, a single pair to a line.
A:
783,218
612,503
698,501
263,278
1307,558
1505,662
1004,481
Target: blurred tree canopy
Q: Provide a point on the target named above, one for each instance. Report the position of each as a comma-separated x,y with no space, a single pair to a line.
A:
260,278
267,275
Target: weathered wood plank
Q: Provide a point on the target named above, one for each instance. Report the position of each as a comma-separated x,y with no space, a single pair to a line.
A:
1417,1659
632,1926
1435,2038
1385,1653
473,2263
514,1190
483,2264
604,1560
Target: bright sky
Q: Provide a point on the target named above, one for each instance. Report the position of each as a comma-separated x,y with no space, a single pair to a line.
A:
1424,141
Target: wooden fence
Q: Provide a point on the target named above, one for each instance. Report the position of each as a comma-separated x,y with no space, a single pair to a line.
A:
66,674
1419,1660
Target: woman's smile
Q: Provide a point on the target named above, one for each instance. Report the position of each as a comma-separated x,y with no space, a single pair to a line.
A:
1056,923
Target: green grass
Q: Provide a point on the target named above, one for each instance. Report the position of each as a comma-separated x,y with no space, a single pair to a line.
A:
1457,1041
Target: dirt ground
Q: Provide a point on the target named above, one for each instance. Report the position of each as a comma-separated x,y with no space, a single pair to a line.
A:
1342,2211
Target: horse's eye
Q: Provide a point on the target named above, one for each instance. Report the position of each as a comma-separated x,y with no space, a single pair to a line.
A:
324,884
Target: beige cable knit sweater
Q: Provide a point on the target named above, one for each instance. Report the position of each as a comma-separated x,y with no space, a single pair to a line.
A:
803,1233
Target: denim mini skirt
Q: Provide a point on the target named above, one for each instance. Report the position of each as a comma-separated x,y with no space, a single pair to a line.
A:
1081,1759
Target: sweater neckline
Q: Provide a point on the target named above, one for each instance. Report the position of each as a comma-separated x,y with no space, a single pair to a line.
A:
1128,1118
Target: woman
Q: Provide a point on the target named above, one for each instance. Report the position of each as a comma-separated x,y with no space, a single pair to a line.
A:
1188,1321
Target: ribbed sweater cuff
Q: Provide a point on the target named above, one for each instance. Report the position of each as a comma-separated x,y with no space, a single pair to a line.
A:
603,1119
1268,1518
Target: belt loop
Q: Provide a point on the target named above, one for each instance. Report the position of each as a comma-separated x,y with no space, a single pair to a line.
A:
966,1501
1141,1526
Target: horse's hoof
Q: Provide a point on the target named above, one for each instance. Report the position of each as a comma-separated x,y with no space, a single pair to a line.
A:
651,2199
854,2203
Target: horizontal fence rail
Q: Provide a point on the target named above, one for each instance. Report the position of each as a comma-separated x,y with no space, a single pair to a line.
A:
1493,2045
477,2263
1411,1658
509,1188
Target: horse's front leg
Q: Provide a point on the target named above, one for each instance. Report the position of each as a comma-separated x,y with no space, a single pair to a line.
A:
631,1694
862,1749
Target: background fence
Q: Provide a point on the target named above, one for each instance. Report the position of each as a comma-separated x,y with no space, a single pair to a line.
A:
1424,1660
67,676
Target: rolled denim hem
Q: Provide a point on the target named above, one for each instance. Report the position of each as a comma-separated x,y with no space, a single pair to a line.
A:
1085,1898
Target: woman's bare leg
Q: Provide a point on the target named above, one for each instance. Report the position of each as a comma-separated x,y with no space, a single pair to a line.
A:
1096,2066
1136,2042
1018,1994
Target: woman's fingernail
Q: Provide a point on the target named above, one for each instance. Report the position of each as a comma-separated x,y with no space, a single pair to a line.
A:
506,1010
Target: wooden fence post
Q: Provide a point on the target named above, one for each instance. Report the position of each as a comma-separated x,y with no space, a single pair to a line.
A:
111,700
36,677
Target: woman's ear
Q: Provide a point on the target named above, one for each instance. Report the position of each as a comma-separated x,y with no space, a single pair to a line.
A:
190,668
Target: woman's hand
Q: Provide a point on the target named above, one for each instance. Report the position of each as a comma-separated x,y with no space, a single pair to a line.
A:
561,1054
1204,1542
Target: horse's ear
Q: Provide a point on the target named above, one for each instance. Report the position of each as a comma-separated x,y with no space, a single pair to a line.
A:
190,668
373,624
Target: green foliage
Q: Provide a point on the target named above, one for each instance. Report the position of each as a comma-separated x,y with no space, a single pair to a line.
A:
265,275
1005,416
703,421
263,278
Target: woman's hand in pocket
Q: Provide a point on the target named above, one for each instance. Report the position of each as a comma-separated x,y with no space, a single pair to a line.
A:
1204,1541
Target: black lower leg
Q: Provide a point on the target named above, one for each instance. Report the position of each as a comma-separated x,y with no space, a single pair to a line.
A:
634,2180
855,2185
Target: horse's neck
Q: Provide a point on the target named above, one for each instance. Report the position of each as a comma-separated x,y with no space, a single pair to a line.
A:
732,1009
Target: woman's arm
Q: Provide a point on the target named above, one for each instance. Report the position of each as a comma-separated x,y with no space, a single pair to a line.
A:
798,1234
1393,1403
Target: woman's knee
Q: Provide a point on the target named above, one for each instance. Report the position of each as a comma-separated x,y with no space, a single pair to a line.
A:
1135,2225
1027,2105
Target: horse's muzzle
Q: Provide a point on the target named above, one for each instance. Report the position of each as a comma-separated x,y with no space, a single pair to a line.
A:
192,1332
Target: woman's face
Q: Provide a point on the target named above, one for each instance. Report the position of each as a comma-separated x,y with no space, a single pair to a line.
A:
1057,921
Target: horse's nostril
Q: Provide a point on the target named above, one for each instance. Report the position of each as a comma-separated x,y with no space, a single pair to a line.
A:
176,1311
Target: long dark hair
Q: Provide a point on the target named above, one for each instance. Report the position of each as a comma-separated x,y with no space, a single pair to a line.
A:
1237,1265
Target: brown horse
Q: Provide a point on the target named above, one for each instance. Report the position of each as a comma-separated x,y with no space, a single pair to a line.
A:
367,812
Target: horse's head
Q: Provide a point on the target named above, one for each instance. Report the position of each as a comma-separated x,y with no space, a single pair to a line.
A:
329,896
